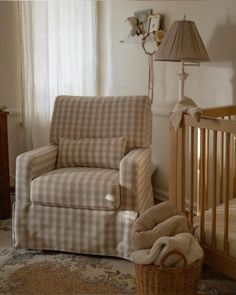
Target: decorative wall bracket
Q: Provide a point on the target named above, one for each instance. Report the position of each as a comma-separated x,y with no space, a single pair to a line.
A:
146,27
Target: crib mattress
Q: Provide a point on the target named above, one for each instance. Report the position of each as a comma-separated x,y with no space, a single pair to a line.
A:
219,227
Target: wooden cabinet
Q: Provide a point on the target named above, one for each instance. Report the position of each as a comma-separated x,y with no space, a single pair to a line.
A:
5,200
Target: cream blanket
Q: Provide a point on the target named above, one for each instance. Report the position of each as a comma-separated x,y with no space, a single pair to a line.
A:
183,242
185,105
161,220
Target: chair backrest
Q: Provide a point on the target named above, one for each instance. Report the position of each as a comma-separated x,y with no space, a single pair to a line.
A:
78,117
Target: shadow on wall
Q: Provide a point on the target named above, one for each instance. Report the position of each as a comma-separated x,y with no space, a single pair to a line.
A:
222,49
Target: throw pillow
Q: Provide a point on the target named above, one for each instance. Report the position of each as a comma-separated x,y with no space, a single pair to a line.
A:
91,152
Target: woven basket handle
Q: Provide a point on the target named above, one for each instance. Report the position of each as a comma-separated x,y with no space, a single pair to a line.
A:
163,259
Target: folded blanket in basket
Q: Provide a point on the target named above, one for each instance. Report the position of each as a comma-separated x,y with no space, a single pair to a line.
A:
161,220
182,242
185,105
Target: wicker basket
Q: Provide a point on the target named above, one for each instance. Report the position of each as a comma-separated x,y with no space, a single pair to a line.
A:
162,280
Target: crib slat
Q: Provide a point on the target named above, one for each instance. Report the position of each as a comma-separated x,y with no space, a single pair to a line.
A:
191,169
181,169
173,147
198,170
214,174
207,168
234,157
221,165
202,184
226,194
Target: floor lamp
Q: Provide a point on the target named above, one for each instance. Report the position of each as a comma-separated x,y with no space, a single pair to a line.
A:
182,43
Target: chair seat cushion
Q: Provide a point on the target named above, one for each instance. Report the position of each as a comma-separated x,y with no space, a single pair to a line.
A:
78,187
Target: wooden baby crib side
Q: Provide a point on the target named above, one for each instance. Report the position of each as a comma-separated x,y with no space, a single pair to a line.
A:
203,176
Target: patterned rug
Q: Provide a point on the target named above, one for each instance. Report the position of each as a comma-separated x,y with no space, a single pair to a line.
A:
25,272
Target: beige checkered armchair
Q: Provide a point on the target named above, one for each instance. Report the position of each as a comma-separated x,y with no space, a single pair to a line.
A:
83,192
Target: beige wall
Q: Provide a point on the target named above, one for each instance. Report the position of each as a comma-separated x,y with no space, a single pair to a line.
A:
10,86
125,67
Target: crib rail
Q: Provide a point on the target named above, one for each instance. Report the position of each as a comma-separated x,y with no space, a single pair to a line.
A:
222,111
203,170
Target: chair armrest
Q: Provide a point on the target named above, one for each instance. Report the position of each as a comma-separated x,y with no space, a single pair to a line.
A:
135,180
31,164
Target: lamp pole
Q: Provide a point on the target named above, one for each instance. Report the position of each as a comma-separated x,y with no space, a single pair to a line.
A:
182,77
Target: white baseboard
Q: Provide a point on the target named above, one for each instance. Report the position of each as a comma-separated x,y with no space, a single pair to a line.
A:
161,195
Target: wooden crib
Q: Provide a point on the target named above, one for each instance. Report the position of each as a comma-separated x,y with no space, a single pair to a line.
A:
203,181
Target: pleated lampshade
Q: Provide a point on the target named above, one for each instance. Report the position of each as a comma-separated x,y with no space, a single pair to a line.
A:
182,42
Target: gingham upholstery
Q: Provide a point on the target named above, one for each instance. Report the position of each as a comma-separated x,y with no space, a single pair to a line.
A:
61,221
30,165
103,117
135,180
86,188
73,230
91,152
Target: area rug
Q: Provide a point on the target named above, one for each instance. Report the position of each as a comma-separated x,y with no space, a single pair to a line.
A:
24,272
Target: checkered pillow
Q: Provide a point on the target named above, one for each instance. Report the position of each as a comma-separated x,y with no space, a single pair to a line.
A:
91,152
